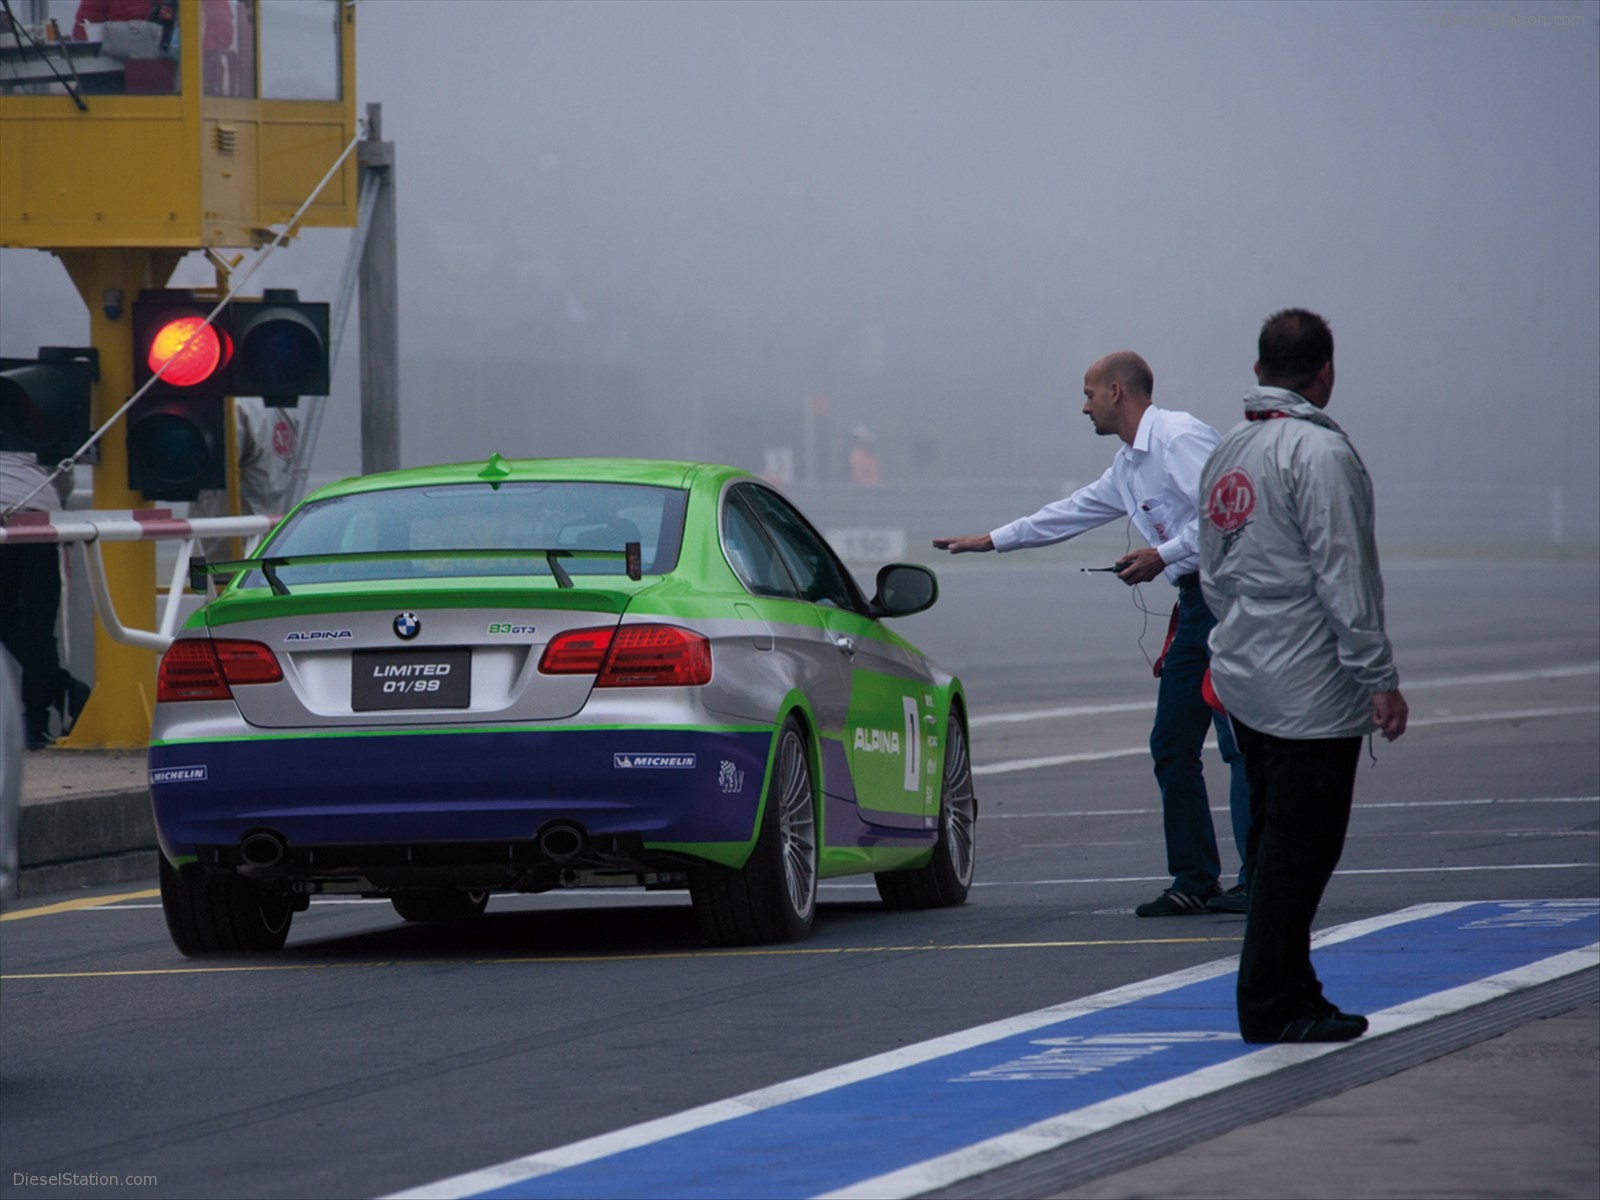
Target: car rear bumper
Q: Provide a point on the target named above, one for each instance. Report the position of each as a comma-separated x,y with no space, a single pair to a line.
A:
665,786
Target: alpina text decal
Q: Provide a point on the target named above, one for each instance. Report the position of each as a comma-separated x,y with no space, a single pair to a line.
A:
878,741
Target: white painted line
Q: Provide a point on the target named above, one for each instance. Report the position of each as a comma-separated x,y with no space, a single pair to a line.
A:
662,1128
1577,866
1047,714
1070,1127
1497,800
647,1132
1575,671
1222,808
1031,883
1524,714
1056,760
1443,681
1572,866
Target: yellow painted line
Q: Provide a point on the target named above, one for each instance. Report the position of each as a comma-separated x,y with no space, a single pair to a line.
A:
210,970
609,958
50,910
793,951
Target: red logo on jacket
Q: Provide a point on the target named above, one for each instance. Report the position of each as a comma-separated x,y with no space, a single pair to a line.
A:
1233,499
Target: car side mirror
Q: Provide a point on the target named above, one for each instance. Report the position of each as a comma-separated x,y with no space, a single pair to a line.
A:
903,589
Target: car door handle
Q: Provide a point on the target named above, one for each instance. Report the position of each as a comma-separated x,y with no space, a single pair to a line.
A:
846,645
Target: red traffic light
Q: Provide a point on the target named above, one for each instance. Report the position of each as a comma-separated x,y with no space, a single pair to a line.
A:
176,431
276,347
171,336
195,351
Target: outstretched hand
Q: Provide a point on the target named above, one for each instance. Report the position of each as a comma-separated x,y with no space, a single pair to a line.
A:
970,544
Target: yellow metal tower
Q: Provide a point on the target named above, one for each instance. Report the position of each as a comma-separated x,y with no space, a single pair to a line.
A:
125,144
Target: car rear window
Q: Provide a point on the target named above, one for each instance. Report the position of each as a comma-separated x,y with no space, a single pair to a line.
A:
571,518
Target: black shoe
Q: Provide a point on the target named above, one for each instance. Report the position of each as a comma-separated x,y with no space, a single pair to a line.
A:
74,696
1234,900
1316,1029
1328,1012
1173,903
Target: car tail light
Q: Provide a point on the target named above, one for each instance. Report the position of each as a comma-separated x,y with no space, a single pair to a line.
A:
576,652
656,656
631,656
201,669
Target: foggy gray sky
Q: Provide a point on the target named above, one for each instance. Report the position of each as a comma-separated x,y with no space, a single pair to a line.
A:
682,219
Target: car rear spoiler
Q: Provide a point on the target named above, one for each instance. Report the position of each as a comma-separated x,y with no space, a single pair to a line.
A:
201,571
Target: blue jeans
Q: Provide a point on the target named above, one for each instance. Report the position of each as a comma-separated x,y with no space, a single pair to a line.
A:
1238,792
1182,721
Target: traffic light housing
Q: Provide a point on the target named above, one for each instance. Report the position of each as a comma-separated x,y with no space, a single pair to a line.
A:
45,402
177,431
280,348
275,347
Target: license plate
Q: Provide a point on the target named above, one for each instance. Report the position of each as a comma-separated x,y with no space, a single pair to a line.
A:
410,679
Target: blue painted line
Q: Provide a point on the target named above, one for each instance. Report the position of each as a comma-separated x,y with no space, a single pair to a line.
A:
875,1125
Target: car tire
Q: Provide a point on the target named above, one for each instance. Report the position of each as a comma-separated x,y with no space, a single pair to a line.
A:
946,878
773,897
217,912
439,904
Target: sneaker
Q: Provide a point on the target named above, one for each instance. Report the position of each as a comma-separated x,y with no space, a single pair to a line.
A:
1173,903
1234,900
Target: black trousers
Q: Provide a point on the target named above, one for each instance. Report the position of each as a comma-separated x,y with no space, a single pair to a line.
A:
1300,796
30,597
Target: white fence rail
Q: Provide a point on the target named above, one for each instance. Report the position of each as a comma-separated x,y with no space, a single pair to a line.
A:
89,530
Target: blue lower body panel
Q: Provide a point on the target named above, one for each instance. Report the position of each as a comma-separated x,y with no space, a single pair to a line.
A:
666,785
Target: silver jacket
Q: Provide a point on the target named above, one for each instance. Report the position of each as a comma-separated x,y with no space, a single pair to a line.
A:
1289,567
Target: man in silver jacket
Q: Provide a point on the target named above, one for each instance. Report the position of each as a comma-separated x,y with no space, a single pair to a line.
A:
1299,658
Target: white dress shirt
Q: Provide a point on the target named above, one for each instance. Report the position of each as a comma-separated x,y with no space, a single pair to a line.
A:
21,477
1155,481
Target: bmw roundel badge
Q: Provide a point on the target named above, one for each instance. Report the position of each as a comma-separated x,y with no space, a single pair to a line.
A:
407,626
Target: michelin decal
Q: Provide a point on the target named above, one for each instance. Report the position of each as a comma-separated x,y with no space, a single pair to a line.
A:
194,774
653,762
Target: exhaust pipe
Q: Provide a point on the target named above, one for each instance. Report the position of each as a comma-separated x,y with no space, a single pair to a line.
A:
262,850
562,841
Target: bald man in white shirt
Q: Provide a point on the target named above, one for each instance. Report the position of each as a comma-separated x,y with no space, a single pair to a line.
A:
1154,480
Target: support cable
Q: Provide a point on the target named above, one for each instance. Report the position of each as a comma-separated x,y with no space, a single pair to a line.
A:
66,464
305,445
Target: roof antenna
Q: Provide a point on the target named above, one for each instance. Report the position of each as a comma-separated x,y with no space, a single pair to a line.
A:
496,471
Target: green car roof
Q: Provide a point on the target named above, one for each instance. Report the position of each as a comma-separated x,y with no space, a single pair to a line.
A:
652,471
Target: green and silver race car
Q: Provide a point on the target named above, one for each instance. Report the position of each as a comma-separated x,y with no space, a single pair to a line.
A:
435,684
